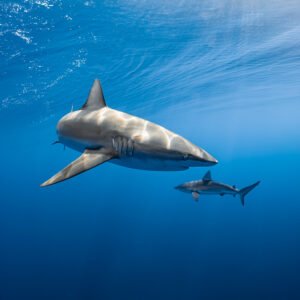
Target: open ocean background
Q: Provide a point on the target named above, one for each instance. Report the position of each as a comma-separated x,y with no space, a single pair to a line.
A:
224,74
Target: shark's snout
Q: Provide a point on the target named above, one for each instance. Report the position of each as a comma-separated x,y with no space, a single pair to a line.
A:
182,188
65,126
60,127
179,187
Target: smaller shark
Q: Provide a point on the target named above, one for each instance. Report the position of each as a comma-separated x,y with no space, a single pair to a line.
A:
211,187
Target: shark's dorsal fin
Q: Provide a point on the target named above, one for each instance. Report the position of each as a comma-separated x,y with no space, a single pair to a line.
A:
95,99
207,176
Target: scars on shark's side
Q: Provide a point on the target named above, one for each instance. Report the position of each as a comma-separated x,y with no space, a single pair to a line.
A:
209,186
104,134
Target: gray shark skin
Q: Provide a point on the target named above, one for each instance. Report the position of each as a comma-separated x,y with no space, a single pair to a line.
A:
211,187
104,134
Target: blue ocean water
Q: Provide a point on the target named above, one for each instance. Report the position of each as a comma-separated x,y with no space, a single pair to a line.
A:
224,74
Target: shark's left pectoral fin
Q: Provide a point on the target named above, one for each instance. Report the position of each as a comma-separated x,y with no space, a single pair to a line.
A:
88,160
195,196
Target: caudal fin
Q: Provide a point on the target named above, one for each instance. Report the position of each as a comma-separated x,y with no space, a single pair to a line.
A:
243,192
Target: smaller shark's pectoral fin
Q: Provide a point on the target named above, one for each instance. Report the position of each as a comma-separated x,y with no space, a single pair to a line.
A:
88,160
195,196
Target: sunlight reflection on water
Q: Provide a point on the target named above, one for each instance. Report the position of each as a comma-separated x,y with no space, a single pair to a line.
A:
149,54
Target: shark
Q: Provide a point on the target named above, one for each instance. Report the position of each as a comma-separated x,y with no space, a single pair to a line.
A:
102,134
210,187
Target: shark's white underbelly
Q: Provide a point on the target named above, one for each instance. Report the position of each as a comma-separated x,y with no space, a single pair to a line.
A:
136,159
216,192
132,155
146,163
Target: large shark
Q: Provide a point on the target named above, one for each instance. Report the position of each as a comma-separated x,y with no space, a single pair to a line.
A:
209,186
104,134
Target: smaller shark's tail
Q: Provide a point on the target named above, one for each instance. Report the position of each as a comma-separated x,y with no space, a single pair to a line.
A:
243,192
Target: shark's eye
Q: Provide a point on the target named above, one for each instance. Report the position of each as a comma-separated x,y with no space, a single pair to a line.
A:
185,156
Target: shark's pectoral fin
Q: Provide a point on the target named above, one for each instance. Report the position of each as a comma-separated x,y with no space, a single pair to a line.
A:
88,160
195,196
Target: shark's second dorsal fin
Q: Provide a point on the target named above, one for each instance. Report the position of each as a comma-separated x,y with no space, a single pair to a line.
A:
95,99
207,176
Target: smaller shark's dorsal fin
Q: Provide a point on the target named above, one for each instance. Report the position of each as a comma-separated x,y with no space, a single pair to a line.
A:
95,99
207,176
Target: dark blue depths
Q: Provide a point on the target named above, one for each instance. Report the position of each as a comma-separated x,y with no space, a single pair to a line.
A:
224,75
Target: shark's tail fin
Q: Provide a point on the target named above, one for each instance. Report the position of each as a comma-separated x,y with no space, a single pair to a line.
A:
243,192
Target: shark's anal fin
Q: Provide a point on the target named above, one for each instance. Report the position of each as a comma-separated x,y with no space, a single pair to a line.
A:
95,99
195,196
88,160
